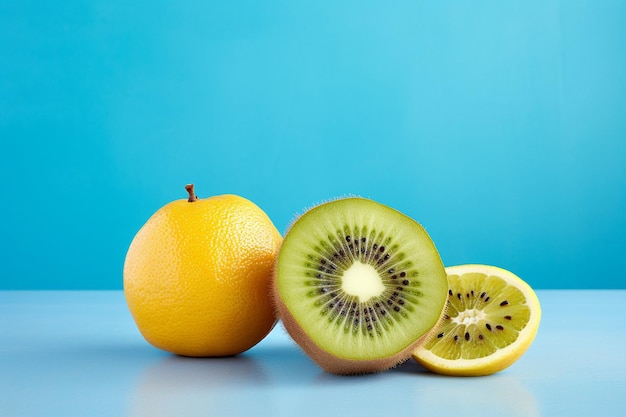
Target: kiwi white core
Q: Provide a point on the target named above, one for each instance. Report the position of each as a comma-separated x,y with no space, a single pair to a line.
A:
362,280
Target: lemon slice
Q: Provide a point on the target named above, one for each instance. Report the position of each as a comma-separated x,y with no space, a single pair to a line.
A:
492,318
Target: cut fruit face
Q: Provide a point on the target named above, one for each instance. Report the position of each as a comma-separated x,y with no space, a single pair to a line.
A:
358,280
492,318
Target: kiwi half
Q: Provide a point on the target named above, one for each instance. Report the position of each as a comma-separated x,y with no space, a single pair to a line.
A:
358,285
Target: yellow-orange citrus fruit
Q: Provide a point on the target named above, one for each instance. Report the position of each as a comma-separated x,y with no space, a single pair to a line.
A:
197,276
492,318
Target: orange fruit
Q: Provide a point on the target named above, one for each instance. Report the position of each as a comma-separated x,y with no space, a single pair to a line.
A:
197,276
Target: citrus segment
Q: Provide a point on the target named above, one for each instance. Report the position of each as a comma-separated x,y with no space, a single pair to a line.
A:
492,318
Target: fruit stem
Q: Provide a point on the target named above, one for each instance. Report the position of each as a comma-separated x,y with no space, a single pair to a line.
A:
192,196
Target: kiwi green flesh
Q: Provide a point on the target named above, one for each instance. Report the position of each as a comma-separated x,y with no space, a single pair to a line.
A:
338,365
331,239
483,315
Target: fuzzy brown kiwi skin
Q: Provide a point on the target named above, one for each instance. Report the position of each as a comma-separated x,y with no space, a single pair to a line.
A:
343,366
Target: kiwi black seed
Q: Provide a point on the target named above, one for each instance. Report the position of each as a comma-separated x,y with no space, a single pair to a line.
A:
358,285
328,264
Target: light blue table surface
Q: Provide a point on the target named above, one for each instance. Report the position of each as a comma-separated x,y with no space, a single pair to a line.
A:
80,354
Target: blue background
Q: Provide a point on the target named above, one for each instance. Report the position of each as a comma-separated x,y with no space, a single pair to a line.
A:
499,125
